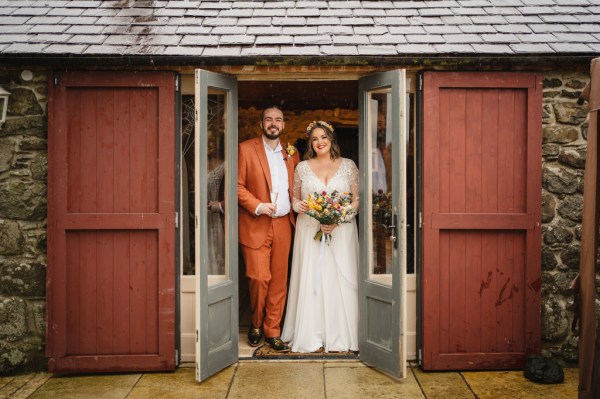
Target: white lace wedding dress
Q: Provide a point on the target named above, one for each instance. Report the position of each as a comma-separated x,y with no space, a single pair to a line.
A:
322,306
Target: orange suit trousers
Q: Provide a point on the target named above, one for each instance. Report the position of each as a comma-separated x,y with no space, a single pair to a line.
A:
267,271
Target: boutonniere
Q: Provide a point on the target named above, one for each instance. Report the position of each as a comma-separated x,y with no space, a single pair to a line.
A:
290,151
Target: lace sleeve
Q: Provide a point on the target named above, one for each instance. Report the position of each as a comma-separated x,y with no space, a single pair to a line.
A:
354,188
297,188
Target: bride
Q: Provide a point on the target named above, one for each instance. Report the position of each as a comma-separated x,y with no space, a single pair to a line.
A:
322,307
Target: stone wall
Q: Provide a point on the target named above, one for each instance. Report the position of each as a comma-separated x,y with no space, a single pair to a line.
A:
23,196
565,126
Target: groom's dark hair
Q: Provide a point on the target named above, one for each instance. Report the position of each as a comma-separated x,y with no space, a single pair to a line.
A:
262,114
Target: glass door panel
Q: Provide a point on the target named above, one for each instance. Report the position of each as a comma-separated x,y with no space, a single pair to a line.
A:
382,222
215,206
215,186
381,233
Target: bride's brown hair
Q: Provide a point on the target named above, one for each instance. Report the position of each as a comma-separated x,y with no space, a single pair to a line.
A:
334,151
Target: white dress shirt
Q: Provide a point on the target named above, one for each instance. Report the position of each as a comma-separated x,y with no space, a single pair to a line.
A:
279,179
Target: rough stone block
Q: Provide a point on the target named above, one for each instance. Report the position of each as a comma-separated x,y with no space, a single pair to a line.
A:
550,93
569,258
555,324
570,113
7,151
24,356
575,84
39,167
557,235
550,151
572,208
24,200
549,261
559,134
23,102
22,278
551,82
37,315
12,240
548,285
559,180
570,94
570,349
28,126
13,321
548,207
573,157
547,114
33,144
584,129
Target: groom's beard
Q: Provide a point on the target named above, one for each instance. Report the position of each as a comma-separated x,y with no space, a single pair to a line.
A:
271,136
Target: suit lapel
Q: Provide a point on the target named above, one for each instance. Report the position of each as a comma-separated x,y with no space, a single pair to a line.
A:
259,145
289,165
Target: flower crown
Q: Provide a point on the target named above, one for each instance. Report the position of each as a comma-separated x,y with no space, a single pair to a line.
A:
314,124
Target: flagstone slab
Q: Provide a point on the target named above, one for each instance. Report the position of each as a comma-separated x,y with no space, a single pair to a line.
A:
512,384
112,386
32,385
442,385
278,380
356,380
182,384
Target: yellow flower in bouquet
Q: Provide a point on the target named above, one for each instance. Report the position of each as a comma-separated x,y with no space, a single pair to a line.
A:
334,208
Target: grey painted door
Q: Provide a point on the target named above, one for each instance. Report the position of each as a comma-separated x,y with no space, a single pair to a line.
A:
382,303
216,223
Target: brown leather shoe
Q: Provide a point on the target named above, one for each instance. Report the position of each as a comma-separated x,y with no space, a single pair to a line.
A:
255,334
277,344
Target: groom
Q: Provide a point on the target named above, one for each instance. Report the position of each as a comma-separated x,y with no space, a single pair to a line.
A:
265,174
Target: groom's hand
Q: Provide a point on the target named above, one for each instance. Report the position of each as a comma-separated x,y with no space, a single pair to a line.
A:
267,208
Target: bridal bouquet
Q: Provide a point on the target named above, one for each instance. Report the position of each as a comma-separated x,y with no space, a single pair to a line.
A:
334,208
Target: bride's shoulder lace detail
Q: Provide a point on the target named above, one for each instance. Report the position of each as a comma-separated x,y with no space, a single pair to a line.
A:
301,167
300,175
348,168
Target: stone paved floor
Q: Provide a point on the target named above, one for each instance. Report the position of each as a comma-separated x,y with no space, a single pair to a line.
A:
289,379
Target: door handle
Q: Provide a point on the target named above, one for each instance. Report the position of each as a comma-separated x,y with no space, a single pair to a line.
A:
394,228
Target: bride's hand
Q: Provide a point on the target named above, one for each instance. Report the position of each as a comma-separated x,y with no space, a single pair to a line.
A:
328,228
300,207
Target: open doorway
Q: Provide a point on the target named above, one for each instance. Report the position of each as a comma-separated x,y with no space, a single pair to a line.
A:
335,101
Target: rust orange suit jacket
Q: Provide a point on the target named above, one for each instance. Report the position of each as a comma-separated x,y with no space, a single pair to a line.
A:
254,187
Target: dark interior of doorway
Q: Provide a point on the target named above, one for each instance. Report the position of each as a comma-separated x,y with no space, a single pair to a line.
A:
301,101
313,100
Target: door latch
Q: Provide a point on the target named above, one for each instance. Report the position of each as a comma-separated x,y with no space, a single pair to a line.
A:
394,228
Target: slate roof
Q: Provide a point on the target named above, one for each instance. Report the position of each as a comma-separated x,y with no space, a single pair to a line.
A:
306,28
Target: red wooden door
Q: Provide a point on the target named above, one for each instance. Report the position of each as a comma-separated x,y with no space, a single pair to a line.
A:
481,219
111,230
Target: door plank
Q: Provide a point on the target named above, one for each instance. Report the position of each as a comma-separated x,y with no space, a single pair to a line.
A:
105,203
122,125
443,204
87,294
122,305
473,266
74,154
490,193
137,298
72,314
